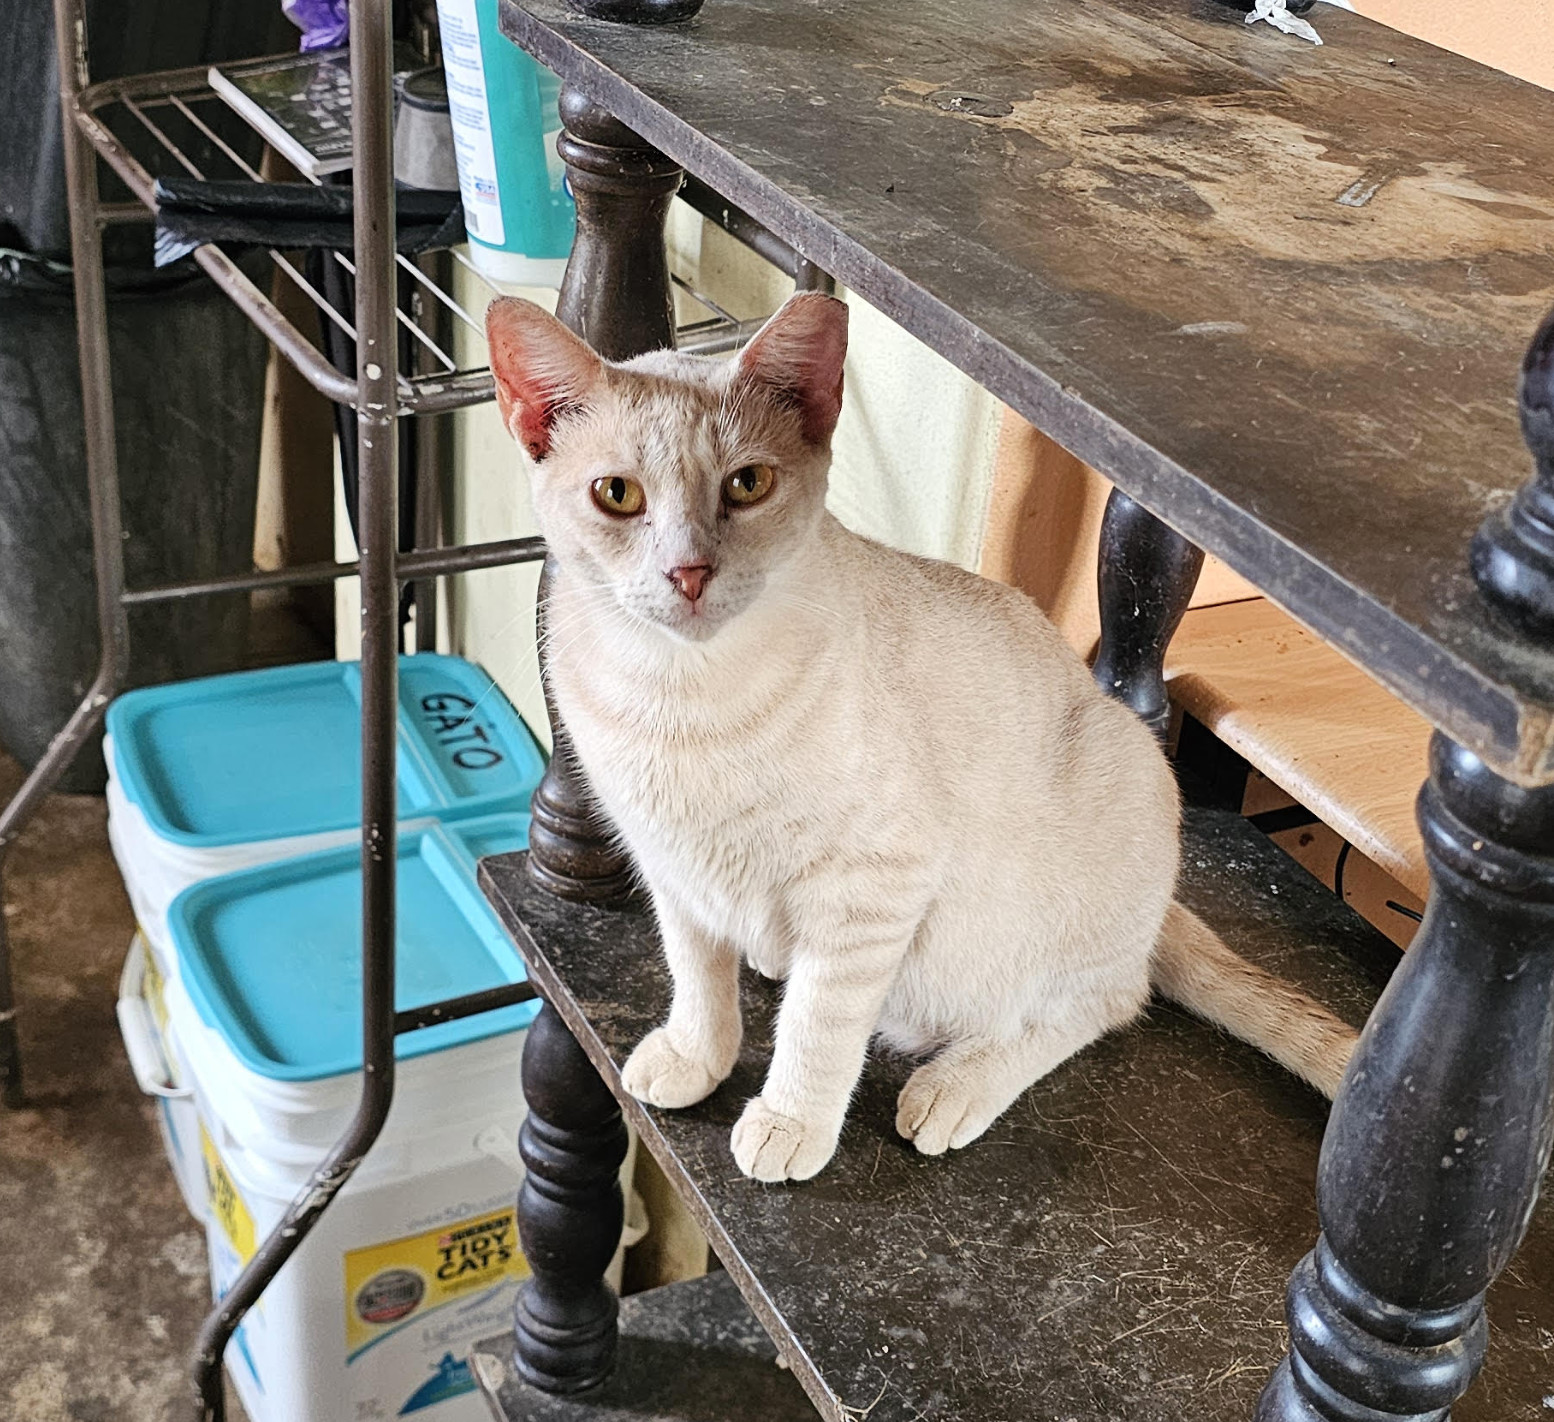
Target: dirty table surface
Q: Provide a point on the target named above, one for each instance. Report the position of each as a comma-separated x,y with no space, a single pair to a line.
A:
1277,292
1116,1246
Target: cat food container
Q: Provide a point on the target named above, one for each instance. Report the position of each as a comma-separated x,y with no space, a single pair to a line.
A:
211,776
418,1257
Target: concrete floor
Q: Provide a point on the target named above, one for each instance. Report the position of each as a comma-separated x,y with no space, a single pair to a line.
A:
102,1271
103,1281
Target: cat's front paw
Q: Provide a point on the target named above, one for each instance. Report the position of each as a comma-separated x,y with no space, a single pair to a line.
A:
943,1108
770,1146
658,1073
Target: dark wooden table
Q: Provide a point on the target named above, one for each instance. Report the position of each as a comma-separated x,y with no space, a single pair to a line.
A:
1279,295
1277,292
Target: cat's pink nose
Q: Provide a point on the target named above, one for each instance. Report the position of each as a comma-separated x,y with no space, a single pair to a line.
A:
691,579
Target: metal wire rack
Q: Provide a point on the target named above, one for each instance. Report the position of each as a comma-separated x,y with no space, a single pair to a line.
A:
152,125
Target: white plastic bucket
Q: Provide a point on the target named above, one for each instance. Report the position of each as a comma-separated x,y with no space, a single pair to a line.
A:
416,1260
156,871
159,1071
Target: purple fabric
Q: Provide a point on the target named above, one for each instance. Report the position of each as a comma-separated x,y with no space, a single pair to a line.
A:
325,24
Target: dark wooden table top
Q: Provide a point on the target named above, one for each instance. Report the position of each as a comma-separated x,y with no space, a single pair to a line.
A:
1277,292
1115,1247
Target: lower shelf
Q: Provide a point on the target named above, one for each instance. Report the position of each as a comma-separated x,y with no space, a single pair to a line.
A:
1116,1246
689,1352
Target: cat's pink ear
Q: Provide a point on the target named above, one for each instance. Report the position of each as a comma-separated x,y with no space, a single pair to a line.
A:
540,368
799,353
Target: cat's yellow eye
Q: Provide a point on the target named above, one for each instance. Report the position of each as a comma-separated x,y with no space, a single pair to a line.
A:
748,485
619,496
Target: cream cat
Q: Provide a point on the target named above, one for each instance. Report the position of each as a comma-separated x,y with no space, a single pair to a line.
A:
881,778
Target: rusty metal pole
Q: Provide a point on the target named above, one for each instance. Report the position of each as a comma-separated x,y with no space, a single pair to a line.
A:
377,433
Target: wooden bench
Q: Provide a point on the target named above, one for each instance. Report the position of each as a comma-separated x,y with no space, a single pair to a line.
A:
1312,722
1277,295
1339,760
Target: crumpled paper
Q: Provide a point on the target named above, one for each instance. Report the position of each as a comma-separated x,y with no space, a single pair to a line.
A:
1280,18
325,24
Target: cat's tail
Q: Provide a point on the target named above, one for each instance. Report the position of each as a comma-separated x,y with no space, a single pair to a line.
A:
1193,966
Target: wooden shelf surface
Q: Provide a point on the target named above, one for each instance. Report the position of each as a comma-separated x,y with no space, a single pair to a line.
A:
1312,722
1116,1246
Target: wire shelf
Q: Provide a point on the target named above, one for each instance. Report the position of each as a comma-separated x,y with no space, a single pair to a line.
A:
173,123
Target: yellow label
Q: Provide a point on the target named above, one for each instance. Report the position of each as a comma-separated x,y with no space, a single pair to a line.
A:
154,990
226,1204
388,1284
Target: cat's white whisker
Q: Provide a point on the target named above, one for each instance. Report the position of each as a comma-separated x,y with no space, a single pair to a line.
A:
534,680
819,609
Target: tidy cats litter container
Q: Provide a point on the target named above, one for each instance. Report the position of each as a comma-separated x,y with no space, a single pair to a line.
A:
210,776
418,1258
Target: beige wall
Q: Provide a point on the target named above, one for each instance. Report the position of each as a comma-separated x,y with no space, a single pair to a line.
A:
491,614
1514,35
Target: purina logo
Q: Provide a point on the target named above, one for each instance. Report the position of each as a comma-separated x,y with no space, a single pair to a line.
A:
436,1289
390,1296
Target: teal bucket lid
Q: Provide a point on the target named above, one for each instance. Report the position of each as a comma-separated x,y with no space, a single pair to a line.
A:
271,956
276,754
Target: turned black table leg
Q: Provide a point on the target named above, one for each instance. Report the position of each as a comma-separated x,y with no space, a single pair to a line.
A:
570,1212
616,291
570,851
1440,1134
616,295
1146,576
1513,555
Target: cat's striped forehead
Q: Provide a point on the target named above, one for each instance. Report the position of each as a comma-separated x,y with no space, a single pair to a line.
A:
677,417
